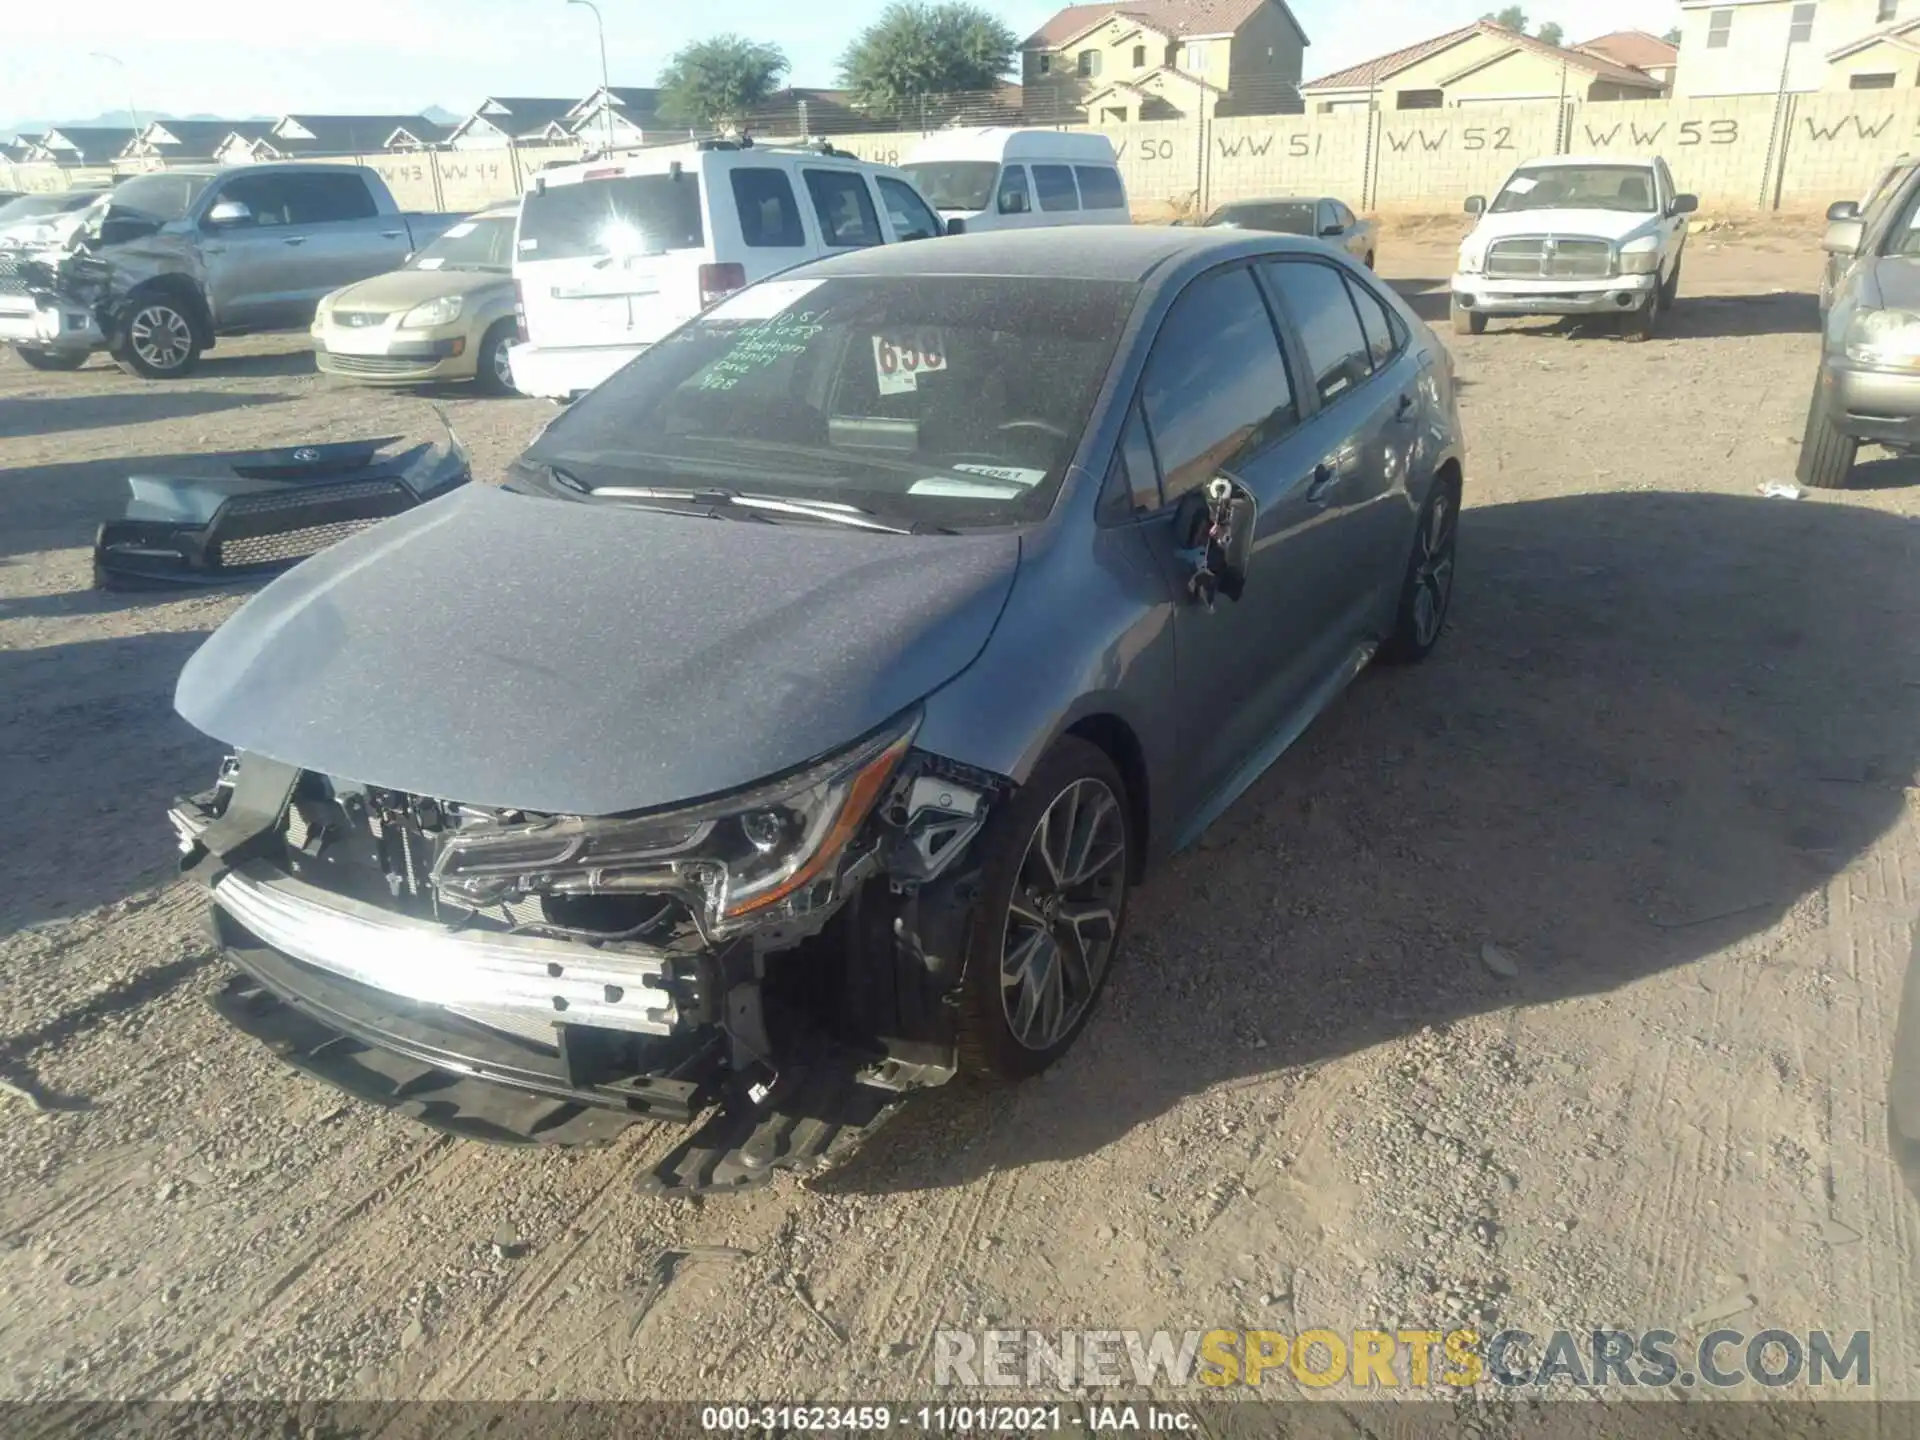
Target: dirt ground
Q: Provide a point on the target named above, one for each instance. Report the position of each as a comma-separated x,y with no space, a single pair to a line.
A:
1549,984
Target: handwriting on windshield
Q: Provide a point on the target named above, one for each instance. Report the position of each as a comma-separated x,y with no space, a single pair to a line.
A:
759,345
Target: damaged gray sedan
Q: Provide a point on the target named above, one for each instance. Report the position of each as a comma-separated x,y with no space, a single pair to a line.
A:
786,732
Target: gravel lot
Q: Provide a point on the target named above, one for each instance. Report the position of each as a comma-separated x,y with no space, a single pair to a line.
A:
1663,766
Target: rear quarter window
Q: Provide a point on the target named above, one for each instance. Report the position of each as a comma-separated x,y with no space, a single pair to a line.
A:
629,214
769,215
844,208
1100,187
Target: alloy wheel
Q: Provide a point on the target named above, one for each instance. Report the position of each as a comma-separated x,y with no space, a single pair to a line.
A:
502,367
1433,569
161,336
1064,914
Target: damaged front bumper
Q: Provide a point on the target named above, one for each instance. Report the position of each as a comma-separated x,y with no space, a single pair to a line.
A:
526,979
251,515
51,304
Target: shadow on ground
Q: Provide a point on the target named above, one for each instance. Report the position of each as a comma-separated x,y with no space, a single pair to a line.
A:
91,754
1657,722
25,416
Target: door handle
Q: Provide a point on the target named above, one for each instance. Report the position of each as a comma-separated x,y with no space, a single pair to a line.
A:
391,234
294,240
1323,477
1403,410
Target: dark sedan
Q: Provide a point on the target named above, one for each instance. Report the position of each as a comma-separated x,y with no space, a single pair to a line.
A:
786,733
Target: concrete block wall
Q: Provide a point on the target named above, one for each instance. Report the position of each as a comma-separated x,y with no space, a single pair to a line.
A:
1739,154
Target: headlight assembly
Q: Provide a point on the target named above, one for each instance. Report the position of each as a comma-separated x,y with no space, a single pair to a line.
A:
1641,257
1884,339
738,858
443,311
1471,259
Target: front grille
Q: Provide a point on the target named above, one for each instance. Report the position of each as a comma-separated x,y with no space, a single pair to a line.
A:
271,502
288,544
385,366
10,281
359,319
1548,257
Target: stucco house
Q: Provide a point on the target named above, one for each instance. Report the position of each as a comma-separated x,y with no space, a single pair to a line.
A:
619,115
1478,64
1159,59
502,120
192,141
84,144
1754,47
1658,56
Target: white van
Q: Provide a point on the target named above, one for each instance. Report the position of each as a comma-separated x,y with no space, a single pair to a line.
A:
610,255
1001,179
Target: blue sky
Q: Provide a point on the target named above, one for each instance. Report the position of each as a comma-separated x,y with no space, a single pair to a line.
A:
240,57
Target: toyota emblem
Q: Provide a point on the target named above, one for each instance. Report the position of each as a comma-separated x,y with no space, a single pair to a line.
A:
306,453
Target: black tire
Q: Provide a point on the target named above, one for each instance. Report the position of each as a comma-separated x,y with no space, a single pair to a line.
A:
1072,772
490,367
1467,322
50,359
1426,590
1826,454
1670,292
1638,324
159,339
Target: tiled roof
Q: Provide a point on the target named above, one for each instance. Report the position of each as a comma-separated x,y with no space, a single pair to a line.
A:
348,134
1171,17
94,144
1636,48
1373,72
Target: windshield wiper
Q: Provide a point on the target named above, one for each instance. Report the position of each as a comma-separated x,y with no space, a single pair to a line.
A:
757,506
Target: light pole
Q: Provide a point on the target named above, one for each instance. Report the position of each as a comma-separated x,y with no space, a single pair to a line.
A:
133,116
606,93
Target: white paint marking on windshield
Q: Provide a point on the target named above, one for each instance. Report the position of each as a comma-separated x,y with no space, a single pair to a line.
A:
1015,474
764,301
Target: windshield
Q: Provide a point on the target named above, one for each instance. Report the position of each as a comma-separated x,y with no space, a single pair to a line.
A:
470,245
159,197
1294,217
935,400
1578,187
955,184
28,206
624,215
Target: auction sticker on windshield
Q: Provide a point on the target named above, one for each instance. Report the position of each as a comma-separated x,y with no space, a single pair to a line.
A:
900,360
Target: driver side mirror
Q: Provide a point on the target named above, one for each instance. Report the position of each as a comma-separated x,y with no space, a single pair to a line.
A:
1476,205
229,212
1843,210
956,226
1332,231
1215,524
1844,237
1685,204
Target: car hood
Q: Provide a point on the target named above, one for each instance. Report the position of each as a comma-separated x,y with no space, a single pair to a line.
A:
1606,224
547,655
1896,283
403,289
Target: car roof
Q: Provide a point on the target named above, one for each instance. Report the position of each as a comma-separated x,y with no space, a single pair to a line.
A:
1272,200
1635,162
1076,252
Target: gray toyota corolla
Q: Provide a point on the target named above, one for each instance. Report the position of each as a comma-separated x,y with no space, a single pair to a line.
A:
784,734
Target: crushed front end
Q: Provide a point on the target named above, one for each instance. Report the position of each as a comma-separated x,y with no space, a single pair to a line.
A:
249,516
774,965
52,302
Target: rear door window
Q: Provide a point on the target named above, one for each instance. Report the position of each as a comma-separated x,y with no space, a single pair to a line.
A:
769,215
327,197
1383,332
266,196
845,208
911,218
1216,390
1322,310
1054,184
624,215
1100,187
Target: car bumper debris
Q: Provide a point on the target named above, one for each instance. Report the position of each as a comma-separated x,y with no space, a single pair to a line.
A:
251,515
531,979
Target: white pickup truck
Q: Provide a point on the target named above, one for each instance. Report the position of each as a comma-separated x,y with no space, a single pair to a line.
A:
1571,235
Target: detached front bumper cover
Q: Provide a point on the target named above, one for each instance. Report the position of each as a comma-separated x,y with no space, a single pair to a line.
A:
252,514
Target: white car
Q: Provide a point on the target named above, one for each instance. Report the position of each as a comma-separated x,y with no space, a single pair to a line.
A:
1575,236
610,255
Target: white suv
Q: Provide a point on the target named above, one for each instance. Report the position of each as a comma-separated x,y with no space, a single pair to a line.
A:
612,254
1574,236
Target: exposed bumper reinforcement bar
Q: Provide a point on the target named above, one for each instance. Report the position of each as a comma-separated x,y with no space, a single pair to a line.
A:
530,978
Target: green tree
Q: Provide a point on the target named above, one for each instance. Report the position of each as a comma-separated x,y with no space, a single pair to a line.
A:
916,49
1551,32
1672,37
713,84
1513,17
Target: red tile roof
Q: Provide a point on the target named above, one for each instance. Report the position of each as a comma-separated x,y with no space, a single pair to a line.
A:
1634,47
1373,72
1171,17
